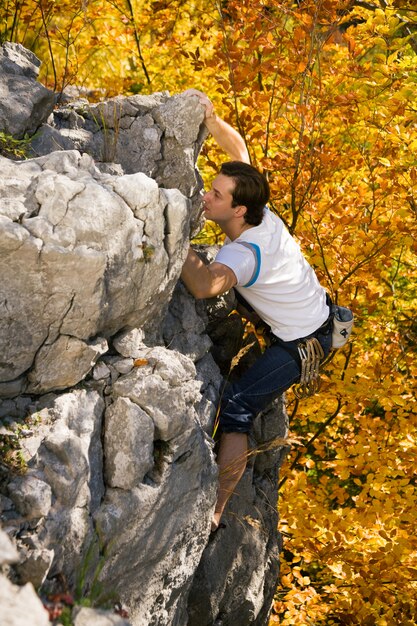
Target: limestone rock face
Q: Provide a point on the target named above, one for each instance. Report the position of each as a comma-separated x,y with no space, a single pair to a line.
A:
150,134
111,374
82,256
135,504
128,444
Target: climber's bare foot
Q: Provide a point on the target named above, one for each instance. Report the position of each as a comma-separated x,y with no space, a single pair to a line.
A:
215,521
216,524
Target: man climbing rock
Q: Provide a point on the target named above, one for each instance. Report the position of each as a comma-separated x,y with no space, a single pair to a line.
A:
264,264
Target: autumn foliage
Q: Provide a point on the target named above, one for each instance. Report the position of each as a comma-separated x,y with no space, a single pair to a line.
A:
324,93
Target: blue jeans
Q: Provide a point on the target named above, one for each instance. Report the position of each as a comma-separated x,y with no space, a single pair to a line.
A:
272,374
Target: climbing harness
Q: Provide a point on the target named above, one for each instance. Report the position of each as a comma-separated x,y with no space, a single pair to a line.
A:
311,353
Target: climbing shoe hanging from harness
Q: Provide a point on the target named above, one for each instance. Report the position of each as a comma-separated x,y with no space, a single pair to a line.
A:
311,353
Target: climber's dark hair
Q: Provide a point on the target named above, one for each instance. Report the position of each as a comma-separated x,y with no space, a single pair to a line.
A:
251,189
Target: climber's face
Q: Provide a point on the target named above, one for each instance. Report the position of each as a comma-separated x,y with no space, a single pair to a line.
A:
218,202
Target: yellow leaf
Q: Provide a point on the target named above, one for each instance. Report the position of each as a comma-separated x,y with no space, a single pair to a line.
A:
384,161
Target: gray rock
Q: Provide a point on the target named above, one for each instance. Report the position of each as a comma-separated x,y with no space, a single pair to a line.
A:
140,192
101,371
34,566
174,117
31,496
17,407
129,343
14,57
24,103
128,444
8,552
49,139
80,357
6,505
184,325
158,135
70,456
13,388
139,530
164,388
18,603
84,616
67,279
123,366
208,374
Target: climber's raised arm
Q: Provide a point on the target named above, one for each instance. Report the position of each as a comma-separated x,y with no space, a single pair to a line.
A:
227,137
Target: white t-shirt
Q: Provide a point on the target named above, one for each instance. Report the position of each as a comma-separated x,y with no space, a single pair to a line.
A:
275,279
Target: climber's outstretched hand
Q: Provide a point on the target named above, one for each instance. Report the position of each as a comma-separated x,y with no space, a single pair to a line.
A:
227,137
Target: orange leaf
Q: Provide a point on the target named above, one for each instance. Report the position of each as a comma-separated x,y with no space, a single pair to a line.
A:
140,362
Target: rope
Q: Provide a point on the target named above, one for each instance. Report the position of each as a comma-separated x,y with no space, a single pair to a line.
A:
311,353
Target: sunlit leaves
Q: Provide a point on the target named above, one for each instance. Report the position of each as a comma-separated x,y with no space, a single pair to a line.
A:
324,93
110,47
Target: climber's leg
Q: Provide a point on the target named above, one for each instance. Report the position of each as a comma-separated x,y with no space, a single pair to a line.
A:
231,460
